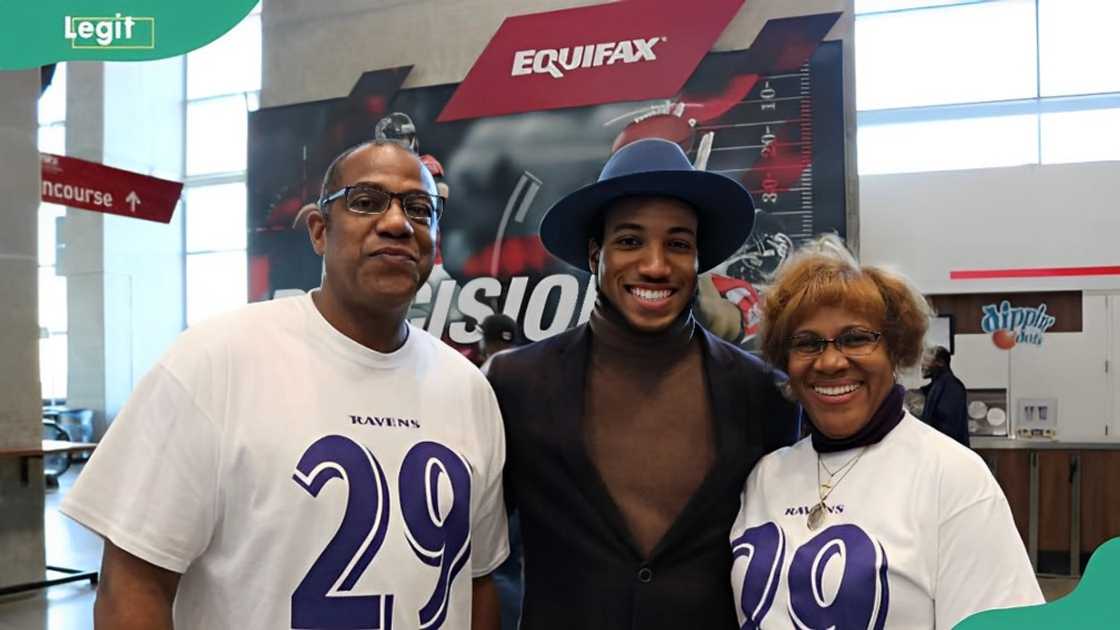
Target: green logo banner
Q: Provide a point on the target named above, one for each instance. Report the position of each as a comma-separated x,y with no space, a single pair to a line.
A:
1092,605
41,33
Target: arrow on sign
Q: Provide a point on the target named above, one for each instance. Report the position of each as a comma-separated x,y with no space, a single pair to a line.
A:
91,186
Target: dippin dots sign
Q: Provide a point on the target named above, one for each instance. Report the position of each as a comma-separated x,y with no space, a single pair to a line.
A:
1011,325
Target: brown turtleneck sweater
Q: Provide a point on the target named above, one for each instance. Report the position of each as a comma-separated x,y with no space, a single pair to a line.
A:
648,420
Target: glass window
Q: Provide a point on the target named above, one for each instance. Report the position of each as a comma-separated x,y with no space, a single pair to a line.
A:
48,217
216,217
1085,136
52,300
215,283
217,135
52,104
1077,46
876,6
229,64
52,139
959,54
53,365
943,145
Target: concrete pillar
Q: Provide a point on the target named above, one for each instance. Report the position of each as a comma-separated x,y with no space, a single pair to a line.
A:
21,504
124,276
82,246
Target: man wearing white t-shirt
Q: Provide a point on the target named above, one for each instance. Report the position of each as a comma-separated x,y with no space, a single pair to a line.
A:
311,462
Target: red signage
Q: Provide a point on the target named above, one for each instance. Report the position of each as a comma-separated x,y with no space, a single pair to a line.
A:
77,183
622,51
1041,272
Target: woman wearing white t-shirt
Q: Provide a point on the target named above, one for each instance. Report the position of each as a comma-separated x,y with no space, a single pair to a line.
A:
875,520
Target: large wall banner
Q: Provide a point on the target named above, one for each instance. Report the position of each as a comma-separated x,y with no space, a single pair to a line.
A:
545,105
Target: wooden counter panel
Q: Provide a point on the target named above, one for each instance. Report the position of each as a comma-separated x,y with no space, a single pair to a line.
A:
1013,475
1100,498
1054,500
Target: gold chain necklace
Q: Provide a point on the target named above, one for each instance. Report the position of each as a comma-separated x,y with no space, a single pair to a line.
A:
820,510
833,473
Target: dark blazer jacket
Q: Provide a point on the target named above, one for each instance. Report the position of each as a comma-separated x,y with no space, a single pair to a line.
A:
582,570
946,406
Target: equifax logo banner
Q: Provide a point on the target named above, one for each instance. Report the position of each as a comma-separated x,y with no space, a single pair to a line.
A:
630,50
122,32
557,61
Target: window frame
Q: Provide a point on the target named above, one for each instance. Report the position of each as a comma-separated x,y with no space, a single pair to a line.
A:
1038,105
252,102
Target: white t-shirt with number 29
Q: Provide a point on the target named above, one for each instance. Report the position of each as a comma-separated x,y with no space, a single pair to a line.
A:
918,536
298,479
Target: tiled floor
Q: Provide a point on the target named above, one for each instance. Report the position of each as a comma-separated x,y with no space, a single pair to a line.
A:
1056,587
65,607
70,606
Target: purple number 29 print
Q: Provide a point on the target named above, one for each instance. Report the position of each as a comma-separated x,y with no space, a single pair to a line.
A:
438,538
764,549
358,539
856,597
435,499
860,600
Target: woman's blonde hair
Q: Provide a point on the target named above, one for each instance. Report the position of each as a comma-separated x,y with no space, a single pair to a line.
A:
824,273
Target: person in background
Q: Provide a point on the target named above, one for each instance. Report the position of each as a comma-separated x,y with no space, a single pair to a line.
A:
499,334
946,401
278,466
899,525
630,437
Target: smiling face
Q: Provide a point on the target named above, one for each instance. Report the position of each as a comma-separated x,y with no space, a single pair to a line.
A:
646,265
376,261
840,393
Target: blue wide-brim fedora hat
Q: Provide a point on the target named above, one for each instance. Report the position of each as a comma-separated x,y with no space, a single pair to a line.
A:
653,167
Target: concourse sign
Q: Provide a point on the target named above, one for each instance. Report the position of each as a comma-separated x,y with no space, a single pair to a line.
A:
77,183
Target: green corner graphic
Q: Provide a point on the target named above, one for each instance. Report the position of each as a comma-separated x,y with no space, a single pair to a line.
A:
1092,605
112,30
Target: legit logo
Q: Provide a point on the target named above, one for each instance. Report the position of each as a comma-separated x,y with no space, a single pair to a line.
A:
556,61
119,31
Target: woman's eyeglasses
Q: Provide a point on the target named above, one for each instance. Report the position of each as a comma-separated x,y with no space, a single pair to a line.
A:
851,343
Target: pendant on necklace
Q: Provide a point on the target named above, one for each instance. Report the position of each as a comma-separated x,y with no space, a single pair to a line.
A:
816,517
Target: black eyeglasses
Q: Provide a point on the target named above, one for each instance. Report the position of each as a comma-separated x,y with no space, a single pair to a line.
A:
420,207
856,342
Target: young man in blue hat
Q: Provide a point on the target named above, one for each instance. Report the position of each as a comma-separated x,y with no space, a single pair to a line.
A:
629,438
